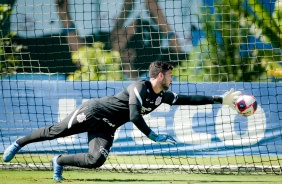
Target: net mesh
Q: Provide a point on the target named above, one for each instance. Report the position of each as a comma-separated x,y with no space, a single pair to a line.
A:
57,54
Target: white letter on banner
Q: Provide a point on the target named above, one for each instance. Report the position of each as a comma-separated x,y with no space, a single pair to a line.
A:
155,123
66,106
225,130
183,124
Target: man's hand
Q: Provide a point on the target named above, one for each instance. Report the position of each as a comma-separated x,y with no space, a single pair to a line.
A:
162,138
230,97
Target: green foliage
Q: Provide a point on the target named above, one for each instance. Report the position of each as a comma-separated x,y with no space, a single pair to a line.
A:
9,58
268,28
226,53
96,64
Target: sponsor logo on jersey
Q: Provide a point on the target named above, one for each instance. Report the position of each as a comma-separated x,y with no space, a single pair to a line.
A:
103,151
109,123
81,117
158,100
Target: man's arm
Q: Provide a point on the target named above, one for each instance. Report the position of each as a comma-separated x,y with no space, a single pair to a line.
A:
137,92
197,100
227,98
138,120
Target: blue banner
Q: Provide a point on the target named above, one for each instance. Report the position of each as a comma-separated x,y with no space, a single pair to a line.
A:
199,130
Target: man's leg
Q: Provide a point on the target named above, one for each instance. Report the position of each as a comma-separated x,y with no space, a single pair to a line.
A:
76,122
99,148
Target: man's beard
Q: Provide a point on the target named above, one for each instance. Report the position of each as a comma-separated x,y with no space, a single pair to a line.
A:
165,87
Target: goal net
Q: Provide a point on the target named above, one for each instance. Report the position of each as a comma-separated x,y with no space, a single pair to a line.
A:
55,55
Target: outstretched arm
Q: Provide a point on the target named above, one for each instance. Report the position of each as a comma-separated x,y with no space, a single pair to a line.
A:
226,99
196,100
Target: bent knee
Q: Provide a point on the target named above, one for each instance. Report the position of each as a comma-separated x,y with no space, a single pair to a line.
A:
95,161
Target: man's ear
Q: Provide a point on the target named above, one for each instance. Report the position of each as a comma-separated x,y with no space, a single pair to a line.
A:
160,75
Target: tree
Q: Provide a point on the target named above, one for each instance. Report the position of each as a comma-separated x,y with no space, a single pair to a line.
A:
229,51
96,63
9,51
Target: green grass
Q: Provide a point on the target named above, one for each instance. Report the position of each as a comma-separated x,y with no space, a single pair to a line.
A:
180,160
106,177
152,177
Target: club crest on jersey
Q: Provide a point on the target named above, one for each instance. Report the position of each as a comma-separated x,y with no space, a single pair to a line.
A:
144,110
158,100
81,117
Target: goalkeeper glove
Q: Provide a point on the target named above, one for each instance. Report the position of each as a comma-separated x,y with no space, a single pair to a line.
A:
230,97
161,138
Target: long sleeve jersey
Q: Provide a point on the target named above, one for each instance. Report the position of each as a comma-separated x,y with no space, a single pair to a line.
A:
139,99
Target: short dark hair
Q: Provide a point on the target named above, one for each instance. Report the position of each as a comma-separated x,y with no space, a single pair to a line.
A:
159,67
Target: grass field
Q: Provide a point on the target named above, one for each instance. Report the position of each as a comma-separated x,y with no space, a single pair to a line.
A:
23,176
106,177
182,160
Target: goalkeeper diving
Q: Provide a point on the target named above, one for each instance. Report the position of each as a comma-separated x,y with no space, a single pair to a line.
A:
101,117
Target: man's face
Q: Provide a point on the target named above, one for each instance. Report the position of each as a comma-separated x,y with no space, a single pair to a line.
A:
167,79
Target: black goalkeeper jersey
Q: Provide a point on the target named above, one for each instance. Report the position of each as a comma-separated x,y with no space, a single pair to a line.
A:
115,110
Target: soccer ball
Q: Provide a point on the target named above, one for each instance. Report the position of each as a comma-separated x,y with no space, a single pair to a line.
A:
246,105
